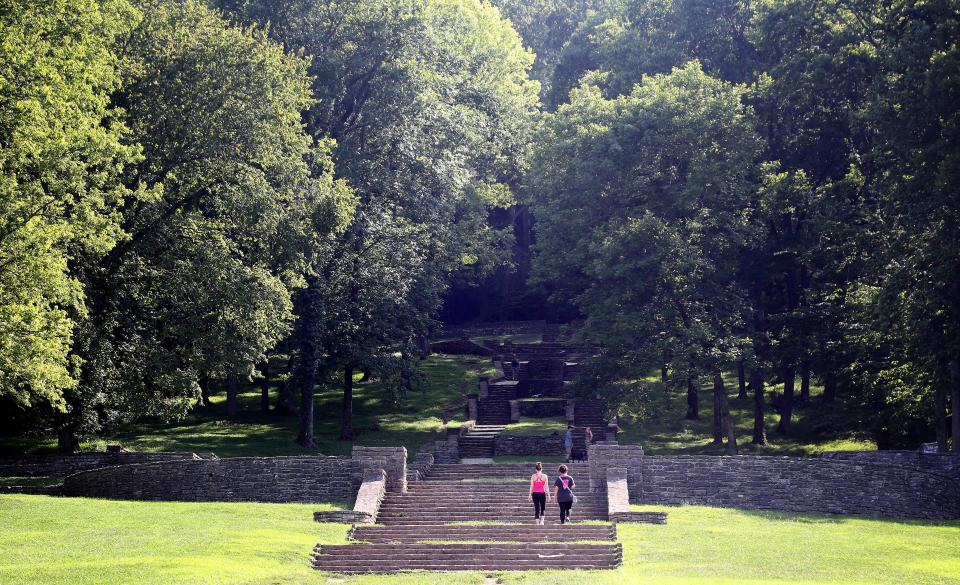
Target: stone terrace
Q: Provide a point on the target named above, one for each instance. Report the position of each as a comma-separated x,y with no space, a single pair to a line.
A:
412,527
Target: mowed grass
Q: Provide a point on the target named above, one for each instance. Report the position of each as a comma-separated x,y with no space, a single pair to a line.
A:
74,541
380,419
536,427
817,427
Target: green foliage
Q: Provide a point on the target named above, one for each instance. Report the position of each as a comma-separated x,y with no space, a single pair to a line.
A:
240,200
61,159
380,419
644,206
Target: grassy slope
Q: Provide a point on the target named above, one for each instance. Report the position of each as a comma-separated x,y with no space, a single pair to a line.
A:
54,541
664,430
378,419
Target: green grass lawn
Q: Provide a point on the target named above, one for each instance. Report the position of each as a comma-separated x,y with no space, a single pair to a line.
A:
536,427
74,541
817,427
379,420
512,338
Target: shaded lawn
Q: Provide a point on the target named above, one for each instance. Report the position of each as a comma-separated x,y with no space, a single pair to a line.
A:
512,338
816,427
379,419
53,541
536,427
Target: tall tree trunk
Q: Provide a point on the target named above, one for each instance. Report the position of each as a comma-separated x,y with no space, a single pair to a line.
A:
308,383
729,429
287,392
67,443
265,386
786,407
346,425
307,335
805,382
829,387
940,416
717,409
759,427
232,383
693,401
205,389
955,408
741,381
663,373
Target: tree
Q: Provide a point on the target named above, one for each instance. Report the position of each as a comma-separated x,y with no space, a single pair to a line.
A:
60,190
235,210
643,206
430,107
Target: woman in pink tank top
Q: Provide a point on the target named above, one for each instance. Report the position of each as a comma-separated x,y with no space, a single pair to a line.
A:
538,494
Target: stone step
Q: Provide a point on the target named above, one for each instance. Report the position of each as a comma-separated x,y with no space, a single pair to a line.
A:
552,516
454,506
508,533
375,558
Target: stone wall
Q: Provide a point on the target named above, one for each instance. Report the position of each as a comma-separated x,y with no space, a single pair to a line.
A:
603,456
500,328
446,452
393,460
240,479
544,445
460,347
618,501
780,483
543,408
64,465
942,463
420,468
799,485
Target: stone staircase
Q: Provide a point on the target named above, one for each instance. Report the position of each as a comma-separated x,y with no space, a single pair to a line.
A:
589,413
479,442
424,528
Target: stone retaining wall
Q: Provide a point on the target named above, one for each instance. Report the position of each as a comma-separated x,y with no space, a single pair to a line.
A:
460,347
393,460
423,463
780,483
241,479
64,465
544,445
500,328
542,408
942,463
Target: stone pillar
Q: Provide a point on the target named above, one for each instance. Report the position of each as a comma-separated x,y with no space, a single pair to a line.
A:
602,456
611,433
393,460
571,411
473,406
514,411
484,383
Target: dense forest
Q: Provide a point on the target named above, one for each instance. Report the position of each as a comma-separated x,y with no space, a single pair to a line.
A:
189,188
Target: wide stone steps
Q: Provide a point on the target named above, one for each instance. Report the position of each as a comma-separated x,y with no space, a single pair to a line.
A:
500,533
515,470
476,517
381,558
479,510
